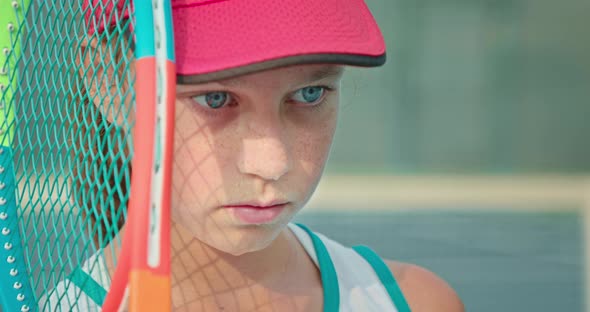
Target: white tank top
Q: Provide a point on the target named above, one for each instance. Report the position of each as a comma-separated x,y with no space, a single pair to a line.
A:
353,280
360,281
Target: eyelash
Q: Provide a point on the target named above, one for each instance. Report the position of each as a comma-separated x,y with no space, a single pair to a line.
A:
327,90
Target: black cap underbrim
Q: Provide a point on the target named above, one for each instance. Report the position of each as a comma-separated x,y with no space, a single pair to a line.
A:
342,59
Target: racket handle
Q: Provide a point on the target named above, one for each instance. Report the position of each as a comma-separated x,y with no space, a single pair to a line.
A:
152,295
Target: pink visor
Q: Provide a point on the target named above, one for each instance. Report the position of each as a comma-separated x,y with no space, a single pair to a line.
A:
218,39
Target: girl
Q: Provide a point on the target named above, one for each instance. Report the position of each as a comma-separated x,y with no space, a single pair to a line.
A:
256,111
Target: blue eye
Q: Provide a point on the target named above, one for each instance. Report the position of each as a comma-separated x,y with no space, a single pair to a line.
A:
213,100
309,95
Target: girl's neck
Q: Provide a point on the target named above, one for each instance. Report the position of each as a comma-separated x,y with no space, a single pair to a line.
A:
193,259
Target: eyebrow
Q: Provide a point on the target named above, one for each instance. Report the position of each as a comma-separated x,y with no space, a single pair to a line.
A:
325,72
315,75
318,74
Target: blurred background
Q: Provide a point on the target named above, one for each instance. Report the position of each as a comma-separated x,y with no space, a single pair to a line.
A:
468,153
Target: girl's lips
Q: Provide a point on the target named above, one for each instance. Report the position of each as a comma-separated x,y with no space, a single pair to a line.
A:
252,214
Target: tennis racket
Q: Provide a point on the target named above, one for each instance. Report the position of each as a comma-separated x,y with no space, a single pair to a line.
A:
66,154
145,256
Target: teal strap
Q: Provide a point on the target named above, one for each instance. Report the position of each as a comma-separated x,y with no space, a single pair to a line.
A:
385,277
327,272
88,285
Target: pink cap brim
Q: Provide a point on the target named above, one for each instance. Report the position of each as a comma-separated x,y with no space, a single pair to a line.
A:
218,39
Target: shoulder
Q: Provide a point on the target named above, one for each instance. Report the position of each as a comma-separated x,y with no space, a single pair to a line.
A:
424,290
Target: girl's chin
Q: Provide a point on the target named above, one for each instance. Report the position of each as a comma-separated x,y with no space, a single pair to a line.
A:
234,238
244,245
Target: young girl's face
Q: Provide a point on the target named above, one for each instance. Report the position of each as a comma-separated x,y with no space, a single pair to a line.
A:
249,152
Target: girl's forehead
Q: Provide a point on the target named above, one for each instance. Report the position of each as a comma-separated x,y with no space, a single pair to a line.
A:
293,74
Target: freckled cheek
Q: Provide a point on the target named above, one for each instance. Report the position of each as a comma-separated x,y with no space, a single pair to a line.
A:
202,166
313,147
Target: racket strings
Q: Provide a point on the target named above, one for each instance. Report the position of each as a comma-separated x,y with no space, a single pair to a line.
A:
70,141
